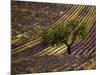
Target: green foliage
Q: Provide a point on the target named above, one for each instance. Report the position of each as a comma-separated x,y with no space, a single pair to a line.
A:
66,32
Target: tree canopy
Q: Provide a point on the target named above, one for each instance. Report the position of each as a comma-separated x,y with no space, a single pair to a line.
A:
66,32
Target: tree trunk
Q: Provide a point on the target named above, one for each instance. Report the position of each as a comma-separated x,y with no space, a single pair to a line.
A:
68,49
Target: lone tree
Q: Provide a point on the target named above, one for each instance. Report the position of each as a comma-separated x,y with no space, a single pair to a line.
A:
67,33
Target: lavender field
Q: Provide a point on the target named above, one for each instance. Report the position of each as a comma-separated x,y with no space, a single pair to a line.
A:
28,53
